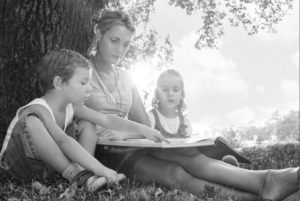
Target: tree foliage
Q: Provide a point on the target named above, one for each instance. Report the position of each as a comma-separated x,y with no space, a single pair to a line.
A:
277,128
252,15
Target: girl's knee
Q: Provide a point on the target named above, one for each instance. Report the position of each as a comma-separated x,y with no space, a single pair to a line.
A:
86,128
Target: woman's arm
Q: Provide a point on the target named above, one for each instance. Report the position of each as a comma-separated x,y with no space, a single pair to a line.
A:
126,127
137,111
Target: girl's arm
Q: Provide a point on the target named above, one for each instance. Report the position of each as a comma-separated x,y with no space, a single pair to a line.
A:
126,127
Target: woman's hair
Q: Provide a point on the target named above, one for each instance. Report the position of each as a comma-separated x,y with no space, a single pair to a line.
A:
104,20
182,106
61,63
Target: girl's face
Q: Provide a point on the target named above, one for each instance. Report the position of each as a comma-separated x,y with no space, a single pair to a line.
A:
78,89
169,91
114,43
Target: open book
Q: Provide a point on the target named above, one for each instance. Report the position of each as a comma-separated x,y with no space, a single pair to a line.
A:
173,142
215,147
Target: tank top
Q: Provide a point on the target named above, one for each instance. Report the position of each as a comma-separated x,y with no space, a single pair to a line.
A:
38,101
180,131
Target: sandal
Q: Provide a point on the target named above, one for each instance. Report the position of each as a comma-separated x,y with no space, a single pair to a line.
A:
90,181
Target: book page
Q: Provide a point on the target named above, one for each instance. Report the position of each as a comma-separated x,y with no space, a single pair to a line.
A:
173,142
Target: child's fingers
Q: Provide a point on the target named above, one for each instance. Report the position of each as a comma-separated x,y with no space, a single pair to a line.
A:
112,177
121,177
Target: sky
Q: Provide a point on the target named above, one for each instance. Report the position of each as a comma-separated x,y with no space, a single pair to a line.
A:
241,83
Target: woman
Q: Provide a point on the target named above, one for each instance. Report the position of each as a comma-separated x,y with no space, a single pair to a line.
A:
115,93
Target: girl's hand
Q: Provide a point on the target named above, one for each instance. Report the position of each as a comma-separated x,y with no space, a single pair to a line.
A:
112,135
155,136
110,175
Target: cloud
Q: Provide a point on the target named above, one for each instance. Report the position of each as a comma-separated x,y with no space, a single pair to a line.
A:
260,89
295,59
241,117
207,71
290,90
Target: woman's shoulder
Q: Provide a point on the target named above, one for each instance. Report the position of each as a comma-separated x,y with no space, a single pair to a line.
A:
124,75
122,71
151,117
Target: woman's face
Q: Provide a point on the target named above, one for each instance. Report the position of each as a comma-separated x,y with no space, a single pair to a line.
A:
114,43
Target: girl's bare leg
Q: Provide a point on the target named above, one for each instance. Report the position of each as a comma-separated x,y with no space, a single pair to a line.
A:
87,136
47,149
149,169
49,152
217,171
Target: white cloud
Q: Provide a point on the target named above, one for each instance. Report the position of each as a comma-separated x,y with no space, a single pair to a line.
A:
207,70
295,59
290,90
240,117
260,89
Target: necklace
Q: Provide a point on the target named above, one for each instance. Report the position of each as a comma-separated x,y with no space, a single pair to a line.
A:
118,100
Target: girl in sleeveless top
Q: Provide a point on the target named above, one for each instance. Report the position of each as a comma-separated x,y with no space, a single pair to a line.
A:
168,108
115,94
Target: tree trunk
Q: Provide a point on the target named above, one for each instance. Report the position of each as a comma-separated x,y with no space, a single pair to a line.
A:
28,30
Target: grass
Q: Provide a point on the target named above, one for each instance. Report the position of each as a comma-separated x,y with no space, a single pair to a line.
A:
59,189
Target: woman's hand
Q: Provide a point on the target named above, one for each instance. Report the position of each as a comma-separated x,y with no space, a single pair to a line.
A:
116,135
155,136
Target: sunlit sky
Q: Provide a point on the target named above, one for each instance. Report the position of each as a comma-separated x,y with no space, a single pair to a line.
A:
244,81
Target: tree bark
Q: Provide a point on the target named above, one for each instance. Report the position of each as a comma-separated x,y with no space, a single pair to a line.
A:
28,30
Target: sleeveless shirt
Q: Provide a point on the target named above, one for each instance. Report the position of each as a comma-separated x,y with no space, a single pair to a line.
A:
38,101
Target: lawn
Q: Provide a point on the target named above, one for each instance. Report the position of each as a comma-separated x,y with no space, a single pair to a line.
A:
59,189
262,157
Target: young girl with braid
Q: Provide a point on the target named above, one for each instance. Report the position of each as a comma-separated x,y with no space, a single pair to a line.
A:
168,106
115,94
167,114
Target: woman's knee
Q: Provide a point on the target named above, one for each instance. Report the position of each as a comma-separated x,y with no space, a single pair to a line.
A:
176,175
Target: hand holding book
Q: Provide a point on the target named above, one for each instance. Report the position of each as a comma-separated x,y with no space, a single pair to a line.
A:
110,135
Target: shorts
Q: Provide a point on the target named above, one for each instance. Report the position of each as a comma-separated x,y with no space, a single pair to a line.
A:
21,159
121,163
